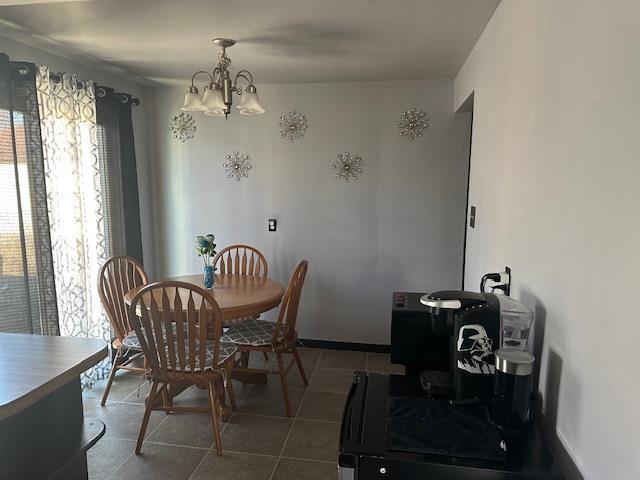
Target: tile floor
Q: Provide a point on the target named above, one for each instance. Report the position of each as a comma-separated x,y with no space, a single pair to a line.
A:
259,442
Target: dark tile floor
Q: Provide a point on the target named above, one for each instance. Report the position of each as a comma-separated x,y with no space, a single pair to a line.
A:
259,442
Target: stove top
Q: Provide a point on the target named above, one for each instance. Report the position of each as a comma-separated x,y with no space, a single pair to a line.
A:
365,452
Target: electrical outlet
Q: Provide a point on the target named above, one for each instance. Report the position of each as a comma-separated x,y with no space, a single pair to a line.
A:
273,224
509,280
472,217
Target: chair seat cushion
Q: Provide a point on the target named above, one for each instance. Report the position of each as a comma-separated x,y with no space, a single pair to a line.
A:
226,351
131,342
252,332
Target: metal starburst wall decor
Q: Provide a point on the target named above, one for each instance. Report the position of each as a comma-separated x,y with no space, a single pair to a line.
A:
293,126
182,127
413,123
237,166
347,167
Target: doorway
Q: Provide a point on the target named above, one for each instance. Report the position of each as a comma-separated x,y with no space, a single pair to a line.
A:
469,216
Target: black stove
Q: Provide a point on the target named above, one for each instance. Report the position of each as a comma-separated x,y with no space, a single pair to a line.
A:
367,452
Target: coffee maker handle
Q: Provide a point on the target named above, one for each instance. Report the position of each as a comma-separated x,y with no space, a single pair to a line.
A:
450,304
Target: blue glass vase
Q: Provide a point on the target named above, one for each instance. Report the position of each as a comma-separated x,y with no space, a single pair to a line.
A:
209,275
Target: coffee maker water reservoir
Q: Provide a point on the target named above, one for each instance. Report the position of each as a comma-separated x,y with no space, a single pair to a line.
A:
515,323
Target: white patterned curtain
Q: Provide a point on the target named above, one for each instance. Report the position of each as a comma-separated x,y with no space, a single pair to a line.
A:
76,213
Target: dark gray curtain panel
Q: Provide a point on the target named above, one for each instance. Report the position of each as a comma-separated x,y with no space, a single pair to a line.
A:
27,289
118,162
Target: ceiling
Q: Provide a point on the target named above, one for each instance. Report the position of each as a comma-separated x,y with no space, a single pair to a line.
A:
280,41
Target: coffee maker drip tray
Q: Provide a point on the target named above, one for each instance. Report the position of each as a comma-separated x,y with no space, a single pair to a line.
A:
422,425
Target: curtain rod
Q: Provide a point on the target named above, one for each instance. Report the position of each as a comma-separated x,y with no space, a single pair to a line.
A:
23,69
120,96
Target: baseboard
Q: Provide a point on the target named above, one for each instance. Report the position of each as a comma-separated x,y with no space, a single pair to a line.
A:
358,347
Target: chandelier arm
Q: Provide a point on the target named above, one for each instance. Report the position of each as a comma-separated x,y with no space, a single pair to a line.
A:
213,74
197,73
241,74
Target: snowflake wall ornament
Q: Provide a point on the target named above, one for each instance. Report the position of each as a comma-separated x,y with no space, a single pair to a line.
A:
182,127
347,167
237,166
293,126
413,123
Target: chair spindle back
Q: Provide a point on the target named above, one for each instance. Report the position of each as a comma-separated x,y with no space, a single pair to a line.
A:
241,260
175,322
288,315
117,276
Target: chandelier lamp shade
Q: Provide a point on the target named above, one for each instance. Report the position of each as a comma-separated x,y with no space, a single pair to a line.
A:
218,94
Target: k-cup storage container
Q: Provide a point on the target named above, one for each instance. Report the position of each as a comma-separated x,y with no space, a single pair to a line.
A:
515,323
512,389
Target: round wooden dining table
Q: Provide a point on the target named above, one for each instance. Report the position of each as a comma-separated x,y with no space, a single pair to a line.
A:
238,296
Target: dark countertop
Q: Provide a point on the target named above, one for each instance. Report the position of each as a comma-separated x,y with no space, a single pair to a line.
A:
33,366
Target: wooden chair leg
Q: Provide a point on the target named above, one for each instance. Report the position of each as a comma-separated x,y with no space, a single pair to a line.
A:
244,358
166,400
112,374
300,367
229,385
147,414
283,382
215,417
244,361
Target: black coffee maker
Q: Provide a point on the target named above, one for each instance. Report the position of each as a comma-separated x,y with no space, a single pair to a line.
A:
472,323
449,338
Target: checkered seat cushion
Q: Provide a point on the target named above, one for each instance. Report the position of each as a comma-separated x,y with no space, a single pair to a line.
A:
132,343
226,351
252,332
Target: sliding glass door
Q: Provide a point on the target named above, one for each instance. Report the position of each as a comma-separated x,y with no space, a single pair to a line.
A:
27,291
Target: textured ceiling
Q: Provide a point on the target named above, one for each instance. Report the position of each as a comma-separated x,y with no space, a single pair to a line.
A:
280,41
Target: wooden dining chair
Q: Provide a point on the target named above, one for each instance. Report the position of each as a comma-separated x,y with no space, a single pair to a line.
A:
179,326
279,337
117,276
241,260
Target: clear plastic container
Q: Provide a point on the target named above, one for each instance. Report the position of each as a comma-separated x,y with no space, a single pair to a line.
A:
516,321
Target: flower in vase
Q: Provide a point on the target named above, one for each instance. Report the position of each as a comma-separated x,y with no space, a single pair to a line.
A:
206,247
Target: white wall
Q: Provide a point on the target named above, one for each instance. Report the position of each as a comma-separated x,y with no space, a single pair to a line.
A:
398,227
20,52
554,175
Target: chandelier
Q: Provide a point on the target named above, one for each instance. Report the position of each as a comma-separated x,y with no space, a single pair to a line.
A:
218,95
